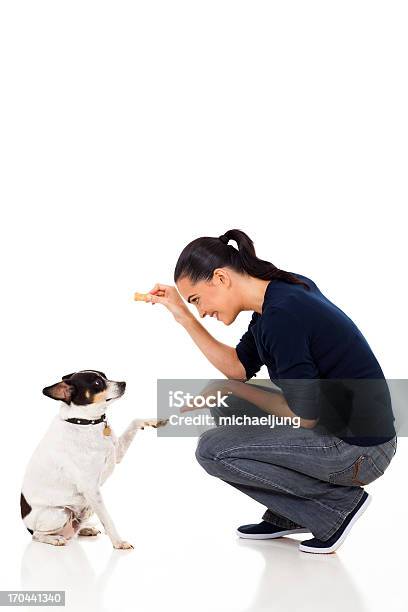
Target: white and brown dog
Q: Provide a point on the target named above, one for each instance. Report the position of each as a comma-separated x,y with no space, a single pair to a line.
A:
62,483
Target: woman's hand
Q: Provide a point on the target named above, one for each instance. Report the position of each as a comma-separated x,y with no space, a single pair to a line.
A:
171,299
222,356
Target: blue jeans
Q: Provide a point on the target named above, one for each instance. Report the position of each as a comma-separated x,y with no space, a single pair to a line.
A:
305,477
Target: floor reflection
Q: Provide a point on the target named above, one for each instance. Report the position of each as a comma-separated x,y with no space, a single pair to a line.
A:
290,580
293,580
68,568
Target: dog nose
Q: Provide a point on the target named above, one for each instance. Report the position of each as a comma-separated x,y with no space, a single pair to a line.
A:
122,385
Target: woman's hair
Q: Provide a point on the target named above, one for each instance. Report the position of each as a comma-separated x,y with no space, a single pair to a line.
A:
202,256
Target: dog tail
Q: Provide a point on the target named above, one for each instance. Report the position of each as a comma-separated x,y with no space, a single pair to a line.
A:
25,509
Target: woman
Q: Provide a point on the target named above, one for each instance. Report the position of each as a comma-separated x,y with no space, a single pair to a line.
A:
309,478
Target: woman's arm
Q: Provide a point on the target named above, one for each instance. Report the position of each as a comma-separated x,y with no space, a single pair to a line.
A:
273,402
220,355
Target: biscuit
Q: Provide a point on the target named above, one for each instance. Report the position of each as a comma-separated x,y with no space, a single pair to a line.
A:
140,297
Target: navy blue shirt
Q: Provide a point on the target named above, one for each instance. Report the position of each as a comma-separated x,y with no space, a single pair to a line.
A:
305,340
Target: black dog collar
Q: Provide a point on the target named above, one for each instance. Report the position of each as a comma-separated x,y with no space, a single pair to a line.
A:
86,421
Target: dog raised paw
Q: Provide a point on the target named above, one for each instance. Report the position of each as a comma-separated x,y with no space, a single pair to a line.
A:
142,423
154,422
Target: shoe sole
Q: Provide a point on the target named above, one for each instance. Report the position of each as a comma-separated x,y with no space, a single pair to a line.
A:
270,536
335,546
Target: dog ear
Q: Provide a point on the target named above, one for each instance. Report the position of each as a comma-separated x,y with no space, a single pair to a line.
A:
60,391
67,376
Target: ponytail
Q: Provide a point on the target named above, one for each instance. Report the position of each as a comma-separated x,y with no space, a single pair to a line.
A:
202,256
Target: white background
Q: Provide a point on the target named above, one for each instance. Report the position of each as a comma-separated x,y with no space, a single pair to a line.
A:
127,130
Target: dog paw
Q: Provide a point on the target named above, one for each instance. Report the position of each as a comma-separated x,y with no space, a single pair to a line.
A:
88,531
153,423
58,541
161,422
123,545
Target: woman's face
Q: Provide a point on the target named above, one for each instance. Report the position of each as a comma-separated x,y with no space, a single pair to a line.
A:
215,298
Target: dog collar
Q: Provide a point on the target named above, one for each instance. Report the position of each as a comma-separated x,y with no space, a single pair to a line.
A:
106,430
87,421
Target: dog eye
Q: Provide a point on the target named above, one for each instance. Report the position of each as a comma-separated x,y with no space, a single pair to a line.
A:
97,383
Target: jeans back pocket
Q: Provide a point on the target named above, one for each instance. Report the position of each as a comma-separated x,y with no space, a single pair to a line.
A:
361,472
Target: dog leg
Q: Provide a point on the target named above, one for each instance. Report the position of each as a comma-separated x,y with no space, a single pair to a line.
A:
94,498
86,528
47,530
125,440
54,539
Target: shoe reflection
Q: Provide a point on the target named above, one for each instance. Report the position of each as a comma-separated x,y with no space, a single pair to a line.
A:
294,580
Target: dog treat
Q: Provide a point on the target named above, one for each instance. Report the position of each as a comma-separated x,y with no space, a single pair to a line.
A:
140,297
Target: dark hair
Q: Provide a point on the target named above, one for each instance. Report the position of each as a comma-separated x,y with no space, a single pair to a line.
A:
202,256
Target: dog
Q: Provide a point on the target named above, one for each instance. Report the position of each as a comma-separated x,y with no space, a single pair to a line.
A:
62,484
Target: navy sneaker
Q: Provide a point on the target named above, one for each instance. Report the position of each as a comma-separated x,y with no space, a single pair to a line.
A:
318,546
266,531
